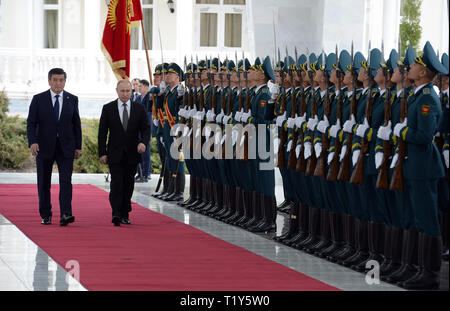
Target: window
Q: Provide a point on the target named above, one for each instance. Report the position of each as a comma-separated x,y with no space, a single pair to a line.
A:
221,23
51,24
137,39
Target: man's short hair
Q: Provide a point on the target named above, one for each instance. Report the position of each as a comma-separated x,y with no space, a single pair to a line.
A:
123,81
145,82
135,79
56,71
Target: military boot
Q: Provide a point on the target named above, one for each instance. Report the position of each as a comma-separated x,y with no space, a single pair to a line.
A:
192,192
336,236
394,251
429,275
362,243
408,267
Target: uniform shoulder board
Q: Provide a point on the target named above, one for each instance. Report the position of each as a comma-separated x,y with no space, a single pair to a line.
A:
358,96
265,90
426,91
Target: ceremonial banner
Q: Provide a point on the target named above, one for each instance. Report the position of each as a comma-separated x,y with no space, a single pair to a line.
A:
122,16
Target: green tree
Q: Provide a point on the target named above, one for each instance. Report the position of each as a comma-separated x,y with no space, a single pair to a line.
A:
410,29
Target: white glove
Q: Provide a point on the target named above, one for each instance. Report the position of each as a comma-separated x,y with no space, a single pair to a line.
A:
192,112
330,157
445,153
378,159
200,115
276,144
355,156
399,127
312,122
281,119
348,125
300,120
161,140
362,128
394,161
155,122
181,90
274,89
182,113
246,115
323,125
297,150
343,152
225,119
334,130
210,116
291,123
308,147
289,146
238,116
318,149
384,132
162,87
220,116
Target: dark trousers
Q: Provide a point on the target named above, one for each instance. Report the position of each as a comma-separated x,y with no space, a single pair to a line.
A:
122,186
44,168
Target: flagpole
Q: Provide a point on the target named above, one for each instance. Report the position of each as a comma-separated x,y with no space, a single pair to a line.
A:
149,68
146,51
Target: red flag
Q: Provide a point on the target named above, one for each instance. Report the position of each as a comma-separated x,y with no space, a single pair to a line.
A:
122,16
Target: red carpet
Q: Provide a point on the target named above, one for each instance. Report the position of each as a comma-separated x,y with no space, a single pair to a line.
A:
154,253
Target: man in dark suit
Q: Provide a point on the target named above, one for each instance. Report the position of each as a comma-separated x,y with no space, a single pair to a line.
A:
54,134
129,130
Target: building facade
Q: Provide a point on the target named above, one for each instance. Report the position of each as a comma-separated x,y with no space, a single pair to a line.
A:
36,35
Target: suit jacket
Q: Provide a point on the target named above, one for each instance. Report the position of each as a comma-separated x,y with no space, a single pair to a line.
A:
42,127
122,142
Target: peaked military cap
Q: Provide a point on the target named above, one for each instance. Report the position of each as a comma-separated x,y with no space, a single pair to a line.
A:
330,63
267,68
391,63
247,65
312,59
375,60
302,62
279,66
316,65
158,69
231,65
190,67
202,65
215,63
430,60
358,59
344,60
444,60
174,68
410,55
289,64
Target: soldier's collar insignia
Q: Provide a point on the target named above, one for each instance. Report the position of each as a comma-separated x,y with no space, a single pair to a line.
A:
426,91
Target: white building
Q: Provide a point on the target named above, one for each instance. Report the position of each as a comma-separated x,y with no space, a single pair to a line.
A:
36,35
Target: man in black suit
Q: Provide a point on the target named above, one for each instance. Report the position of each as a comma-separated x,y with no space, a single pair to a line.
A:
129,130
54,134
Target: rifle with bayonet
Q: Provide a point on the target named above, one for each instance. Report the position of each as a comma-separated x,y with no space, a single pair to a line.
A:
292,161
397,175
321,165
358,172
283,133
247,107
344,170
333,170
227,102
301,162
312,160
383,174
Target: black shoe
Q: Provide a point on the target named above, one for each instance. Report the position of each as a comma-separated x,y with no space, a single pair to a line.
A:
125,221
47,220
66,219
116,221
